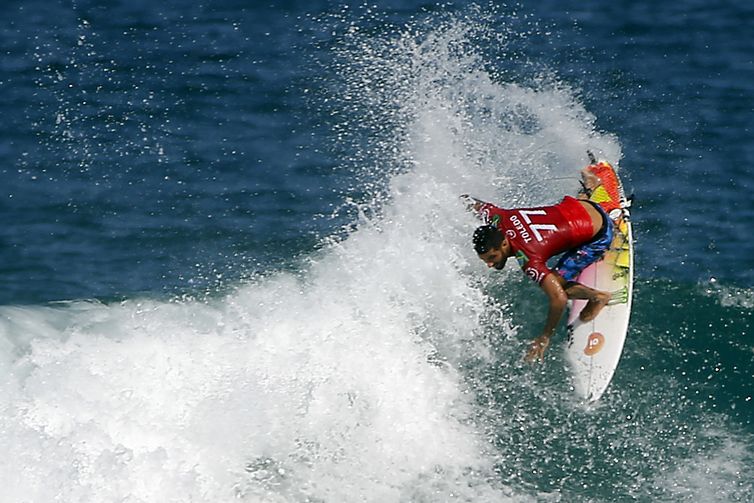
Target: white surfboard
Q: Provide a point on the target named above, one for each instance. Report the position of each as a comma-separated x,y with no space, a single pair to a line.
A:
594,348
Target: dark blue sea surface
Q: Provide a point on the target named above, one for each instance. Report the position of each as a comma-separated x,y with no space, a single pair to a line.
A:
234,265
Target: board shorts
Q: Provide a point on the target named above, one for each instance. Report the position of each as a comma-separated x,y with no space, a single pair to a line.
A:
576,260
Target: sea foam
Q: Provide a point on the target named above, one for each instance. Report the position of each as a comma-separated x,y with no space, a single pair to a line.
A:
340,381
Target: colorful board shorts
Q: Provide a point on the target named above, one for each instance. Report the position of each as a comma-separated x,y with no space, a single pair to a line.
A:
576,260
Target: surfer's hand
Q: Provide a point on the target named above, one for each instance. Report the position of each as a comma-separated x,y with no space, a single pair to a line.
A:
472,203
467,200
537,349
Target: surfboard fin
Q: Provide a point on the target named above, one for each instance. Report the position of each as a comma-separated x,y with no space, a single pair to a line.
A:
569,333
627,202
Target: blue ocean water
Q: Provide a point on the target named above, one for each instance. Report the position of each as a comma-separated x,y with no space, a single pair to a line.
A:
234,265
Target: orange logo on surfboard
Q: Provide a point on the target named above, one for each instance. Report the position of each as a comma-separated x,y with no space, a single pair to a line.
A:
594,344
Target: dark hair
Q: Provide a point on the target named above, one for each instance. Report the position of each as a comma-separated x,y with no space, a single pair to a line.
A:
487,237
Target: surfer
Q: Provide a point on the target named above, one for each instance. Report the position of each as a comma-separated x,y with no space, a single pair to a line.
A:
577,228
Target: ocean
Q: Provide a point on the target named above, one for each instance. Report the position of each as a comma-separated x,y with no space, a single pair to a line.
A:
235,266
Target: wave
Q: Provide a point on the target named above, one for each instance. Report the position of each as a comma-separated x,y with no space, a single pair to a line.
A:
387,365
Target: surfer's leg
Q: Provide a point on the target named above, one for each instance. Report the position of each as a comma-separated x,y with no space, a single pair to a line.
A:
574,261
572,264
597,299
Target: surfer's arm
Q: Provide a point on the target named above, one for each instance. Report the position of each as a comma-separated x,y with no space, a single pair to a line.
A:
557,303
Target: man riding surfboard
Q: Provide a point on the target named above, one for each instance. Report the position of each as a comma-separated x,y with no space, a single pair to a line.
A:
578,228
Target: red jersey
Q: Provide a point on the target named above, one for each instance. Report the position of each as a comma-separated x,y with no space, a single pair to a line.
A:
536,234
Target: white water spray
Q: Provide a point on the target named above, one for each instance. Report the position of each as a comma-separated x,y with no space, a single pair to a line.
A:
338,383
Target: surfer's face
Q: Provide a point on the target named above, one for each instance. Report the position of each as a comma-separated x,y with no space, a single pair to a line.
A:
494,258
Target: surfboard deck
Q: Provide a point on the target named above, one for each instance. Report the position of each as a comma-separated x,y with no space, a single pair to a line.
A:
594,348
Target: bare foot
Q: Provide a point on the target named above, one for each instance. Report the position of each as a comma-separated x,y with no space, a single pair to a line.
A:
589,179
594,306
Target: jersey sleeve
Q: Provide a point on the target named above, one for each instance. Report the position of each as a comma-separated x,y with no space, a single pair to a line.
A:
536,270
491,214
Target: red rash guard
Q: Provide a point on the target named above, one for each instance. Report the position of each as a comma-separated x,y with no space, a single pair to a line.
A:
536,234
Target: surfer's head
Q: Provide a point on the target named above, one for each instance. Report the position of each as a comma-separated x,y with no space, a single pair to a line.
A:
489,244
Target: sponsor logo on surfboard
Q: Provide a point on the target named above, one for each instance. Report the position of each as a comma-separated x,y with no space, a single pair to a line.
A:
594,344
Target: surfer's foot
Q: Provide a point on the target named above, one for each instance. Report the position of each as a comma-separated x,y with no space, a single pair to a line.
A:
594,306
589,182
